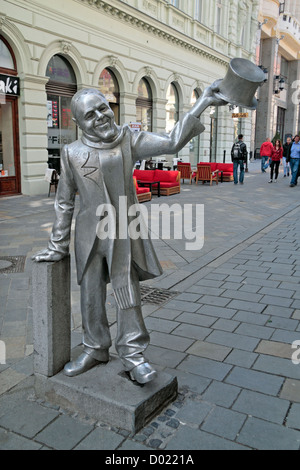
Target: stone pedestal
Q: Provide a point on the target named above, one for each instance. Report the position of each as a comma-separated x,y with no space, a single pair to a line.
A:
105,393
51,301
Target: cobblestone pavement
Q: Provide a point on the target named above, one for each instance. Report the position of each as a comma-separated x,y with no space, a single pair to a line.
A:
227,331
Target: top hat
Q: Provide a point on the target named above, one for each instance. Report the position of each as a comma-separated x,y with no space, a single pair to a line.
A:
240,83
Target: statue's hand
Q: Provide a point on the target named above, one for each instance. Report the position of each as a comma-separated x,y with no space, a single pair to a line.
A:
47,255
210,95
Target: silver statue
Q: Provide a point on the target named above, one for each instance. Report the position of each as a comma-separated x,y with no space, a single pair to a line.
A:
99,167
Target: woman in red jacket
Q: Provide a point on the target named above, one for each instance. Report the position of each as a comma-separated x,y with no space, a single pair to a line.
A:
276,157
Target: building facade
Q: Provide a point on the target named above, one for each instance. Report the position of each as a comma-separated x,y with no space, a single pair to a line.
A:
151,58
278,53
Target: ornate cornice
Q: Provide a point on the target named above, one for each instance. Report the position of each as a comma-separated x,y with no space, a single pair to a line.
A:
156,31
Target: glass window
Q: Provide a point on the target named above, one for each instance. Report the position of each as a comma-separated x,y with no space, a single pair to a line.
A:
59,70
108,85
60,90
172,107
198,10
6,60
144,105
219,16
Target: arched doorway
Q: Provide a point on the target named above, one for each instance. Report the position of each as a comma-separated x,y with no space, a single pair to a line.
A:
60,90
9,122
109,86
144,105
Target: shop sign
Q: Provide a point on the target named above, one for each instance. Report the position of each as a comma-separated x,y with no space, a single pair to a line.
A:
136,126
9,85
240,115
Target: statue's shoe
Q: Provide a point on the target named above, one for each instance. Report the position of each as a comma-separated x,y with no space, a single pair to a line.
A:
143,373
84,363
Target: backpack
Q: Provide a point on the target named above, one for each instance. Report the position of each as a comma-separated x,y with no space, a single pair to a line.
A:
237,152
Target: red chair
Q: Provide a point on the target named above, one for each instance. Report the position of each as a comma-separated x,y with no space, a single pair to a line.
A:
185,171
143,194
204,173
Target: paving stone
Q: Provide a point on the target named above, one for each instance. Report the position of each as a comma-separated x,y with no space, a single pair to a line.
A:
274,348
220,312
103,439
224,423
273,300
247,306
191,439
262,406
293,419
263,435
182,306
277,292
193,382
166,313
159,324
209,350
221,394
170,341
241,358
189,297
194,412
164,357
256,381
205,367
254,330
64,433
11,441
214,300
278,311
278,366
225,325
282,323
191,331
233,340
254,318
196,319
27,418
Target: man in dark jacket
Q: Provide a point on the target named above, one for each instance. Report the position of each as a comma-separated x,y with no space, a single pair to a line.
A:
286,156
239,157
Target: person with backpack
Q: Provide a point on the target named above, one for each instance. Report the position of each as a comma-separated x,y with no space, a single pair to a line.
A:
239,157
266,150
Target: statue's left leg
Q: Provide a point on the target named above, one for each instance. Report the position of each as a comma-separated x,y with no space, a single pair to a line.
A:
131,342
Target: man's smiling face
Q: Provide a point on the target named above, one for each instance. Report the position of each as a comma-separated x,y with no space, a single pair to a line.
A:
95,118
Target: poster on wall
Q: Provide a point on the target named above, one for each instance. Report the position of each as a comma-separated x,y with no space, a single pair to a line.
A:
52,113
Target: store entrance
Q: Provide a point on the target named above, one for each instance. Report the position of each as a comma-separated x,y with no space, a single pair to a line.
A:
9,148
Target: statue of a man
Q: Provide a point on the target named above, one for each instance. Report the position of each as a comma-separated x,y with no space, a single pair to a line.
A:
99,167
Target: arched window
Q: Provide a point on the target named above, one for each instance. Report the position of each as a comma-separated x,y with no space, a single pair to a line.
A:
108,85
195,142
9,130
144,105
60,90
172,107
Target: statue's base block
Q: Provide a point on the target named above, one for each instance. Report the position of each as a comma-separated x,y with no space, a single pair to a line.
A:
105,393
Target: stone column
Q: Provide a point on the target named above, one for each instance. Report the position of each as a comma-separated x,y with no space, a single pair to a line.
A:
51,316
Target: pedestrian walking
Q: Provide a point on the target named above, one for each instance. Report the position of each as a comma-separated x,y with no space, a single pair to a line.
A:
295,160
276,157
239,157
286,155
265,153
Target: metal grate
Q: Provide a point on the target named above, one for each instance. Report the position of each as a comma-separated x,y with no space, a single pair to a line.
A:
151,295
12,264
